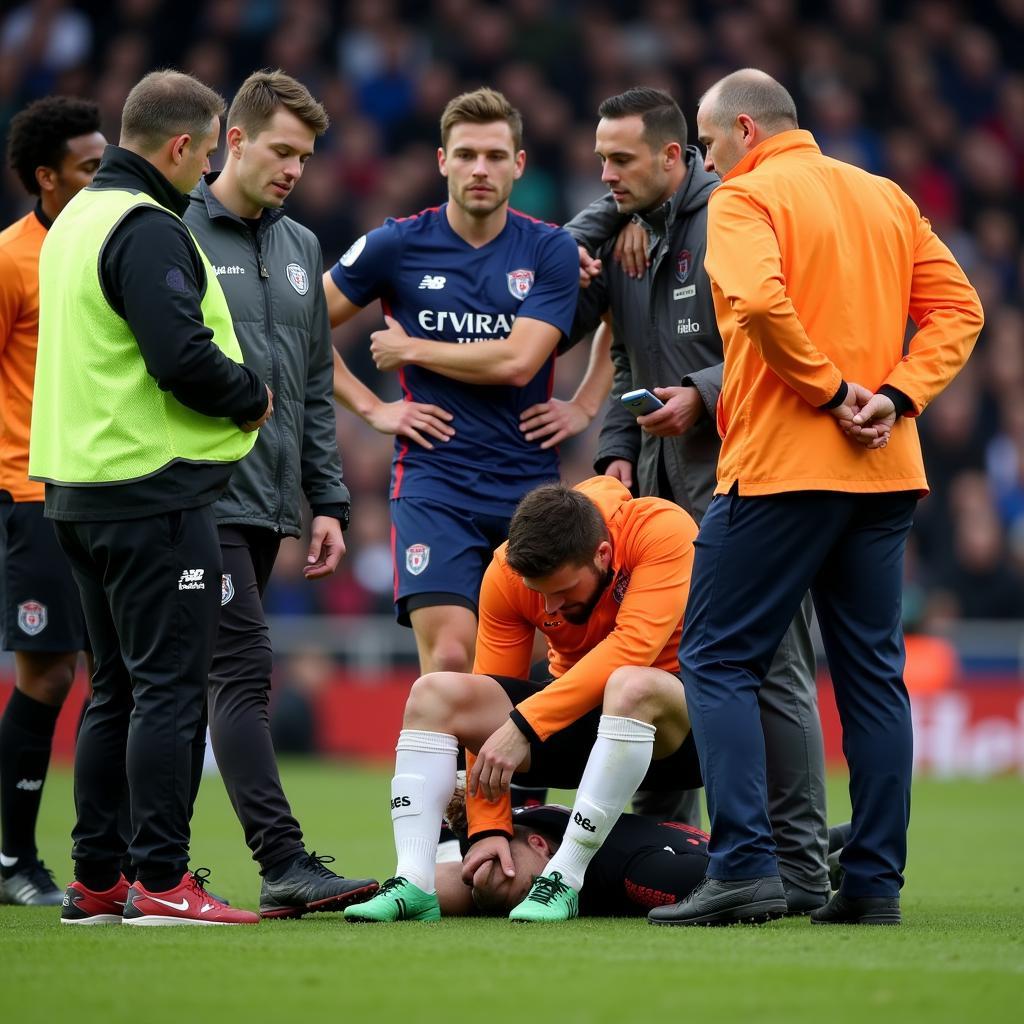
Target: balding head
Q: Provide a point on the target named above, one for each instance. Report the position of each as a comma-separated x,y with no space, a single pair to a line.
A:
754,93
738,113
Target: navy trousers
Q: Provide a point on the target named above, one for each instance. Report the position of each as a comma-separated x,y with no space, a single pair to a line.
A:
755,559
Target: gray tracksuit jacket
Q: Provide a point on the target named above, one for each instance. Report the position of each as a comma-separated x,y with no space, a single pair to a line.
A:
665,333
272,278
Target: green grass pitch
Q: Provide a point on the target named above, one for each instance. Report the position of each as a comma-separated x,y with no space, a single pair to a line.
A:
958,957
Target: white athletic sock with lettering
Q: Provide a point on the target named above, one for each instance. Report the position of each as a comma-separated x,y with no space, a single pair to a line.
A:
423,784
616,767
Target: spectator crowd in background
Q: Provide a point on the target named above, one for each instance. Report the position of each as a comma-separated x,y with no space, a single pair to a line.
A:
930,94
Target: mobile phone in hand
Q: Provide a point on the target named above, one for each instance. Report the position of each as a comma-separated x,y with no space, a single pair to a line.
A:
641,402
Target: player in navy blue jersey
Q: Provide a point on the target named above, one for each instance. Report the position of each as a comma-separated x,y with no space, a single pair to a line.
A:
476,297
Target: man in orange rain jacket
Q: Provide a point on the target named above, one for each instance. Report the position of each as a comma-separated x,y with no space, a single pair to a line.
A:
604,577
815,268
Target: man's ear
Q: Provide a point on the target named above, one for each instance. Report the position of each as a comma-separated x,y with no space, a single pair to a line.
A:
178,145
539,843
235,136
46,178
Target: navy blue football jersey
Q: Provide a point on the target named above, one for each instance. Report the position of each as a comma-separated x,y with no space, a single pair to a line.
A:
439,287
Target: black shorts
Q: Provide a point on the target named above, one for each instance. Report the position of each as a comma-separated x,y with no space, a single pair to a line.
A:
40,609
559,760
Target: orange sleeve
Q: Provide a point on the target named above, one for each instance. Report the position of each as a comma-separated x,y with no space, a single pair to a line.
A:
949,318
744,262
10,297
660,553
504,647
504,638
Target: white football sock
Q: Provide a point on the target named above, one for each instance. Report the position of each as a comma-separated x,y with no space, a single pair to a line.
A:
423,784
615,768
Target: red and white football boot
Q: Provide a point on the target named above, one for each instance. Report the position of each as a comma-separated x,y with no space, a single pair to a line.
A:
187,903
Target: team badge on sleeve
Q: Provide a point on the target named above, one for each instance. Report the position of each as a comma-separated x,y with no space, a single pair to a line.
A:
297,278
32,617
351,254
417,558
227,588
520,282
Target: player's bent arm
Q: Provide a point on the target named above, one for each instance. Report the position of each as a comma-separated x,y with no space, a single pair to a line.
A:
597,381
553,421
513,360
414,420
351,392
340,308
949,318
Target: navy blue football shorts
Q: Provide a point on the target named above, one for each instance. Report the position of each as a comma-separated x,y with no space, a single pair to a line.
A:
440,553
40,609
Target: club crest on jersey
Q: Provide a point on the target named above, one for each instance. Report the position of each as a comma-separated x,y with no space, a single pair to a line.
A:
417,558
519,283
684,263
227,588
32,617
621,586
297,278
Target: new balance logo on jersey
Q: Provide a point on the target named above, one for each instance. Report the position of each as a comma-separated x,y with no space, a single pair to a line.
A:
192,579
584,823
435,282
29,785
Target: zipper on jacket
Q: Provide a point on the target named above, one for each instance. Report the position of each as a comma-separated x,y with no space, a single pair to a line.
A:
275,374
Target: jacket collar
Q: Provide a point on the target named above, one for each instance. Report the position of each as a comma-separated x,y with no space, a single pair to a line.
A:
795,141
216,210
122,169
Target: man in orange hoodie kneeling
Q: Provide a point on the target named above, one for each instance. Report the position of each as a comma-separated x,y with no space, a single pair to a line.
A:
604,577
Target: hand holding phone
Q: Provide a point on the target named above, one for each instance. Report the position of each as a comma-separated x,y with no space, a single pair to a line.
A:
641,402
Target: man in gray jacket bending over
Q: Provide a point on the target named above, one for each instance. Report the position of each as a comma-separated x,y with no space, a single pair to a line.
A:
665,334
270,269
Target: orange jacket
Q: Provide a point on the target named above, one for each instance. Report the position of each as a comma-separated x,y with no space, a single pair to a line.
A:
815,266
19,336
638,621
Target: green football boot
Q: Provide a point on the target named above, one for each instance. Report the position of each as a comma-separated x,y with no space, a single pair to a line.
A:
550,899
397,900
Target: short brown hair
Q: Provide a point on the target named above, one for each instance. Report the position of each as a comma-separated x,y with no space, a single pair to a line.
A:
662,118
265,92
166,104
482,106
552,526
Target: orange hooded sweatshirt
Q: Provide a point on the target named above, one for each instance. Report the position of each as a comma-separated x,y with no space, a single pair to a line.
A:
638,621
815,267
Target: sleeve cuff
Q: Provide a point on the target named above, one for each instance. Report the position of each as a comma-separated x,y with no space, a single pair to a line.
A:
476,837
838,398
903,403
520,722
338,510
